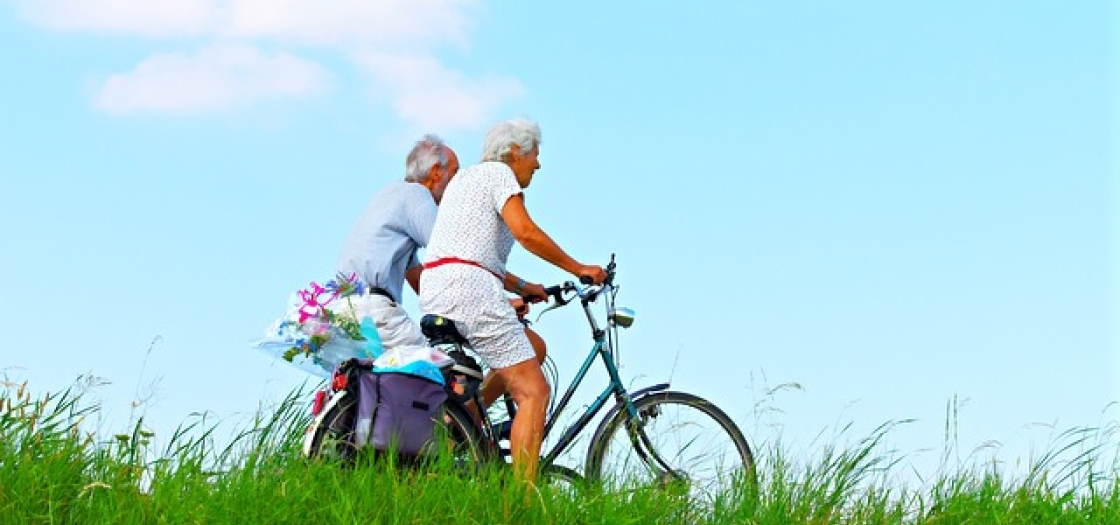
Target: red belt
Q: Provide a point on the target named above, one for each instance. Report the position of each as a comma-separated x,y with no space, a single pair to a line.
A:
455,260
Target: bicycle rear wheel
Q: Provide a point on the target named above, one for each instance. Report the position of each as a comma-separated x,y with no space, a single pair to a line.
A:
332,438
679,440
458,437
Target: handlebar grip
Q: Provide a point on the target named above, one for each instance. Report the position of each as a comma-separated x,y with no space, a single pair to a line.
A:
585,279
557,293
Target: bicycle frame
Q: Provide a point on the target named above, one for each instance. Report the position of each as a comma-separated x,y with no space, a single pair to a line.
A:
602,349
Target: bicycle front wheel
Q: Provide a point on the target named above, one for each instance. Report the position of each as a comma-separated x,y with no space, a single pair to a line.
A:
678,440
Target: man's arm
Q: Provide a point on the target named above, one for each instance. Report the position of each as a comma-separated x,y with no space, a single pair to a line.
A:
422,217
412,276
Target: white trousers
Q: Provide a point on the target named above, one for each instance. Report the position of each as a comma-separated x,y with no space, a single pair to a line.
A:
394,326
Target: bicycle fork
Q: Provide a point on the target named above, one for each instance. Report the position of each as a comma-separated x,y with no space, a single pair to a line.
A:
635,428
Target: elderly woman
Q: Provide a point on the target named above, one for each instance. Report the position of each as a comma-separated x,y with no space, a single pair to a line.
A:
465,278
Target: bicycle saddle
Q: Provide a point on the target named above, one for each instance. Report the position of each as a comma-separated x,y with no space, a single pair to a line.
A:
440,330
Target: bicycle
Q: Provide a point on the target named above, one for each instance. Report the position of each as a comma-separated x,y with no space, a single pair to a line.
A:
630,448
633,445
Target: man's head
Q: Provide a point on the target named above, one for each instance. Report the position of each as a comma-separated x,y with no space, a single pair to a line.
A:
432,164
515,142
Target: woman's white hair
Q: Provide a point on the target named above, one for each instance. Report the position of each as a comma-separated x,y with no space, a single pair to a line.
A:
429,151
501,138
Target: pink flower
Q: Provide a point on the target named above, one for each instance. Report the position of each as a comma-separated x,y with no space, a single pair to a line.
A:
311,306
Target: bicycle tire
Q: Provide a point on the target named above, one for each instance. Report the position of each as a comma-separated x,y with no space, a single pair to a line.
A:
563,479
333,437
700,443
458,436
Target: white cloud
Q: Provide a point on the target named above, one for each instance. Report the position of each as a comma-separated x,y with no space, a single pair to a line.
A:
394,40
152,18
345,23
217,78
315,22
434,97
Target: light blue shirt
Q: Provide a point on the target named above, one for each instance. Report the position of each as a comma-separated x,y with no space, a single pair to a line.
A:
385,241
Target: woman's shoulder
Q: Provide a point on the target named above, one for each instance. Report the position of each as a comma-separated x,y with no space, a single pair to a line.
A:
490,168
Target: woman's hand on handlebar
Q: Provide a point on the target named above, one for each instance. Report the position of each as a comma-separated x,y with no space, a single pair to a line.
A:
591,274
534,293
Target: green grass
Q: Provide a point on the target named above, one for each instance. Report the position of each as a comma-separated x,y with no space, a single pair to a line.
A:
52,472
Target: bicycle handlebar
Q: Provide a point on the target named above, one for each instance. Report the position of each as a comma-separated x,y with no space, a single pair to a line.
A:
586,280
588,293
557,293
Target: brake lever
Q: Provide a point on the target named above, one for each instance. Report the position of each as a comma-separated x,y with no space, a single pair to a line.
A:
557,293
558,300
552,306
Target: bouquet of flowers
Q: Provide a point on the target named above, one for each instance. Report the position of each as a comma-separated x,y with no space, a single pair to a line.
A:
322,331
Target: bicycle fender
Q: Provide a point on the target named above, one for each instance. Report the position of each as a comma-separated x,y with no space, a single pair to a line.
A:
309,434
660,387
613,413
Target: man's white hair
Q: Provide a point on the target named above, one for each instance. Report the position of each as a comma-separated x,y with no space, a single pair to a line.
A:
429,151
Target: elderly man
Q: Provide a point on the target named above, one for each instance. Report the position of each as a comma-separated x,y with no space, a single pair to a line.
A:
382,248
465,279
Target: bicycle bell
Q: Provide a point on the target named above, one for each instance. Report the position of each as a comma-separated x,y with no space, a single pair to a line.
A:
623,317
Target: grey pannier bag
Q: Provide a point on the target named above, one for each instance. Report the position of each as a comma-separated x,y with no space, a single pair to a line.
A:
396,411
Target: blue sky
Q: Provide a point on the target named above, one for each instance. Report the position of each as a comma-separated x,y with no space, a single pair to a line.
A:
893,205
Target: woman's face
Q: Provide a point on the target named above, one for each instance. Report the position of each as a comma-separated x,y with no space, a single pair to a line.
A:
524,166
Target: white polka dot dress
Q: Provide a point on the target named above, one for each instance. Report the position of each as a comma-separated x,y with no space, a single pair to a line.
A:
469,227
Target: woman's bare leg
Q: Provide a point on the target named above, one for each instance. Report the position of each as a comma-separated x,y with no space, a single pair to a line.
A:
530,390
493,386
